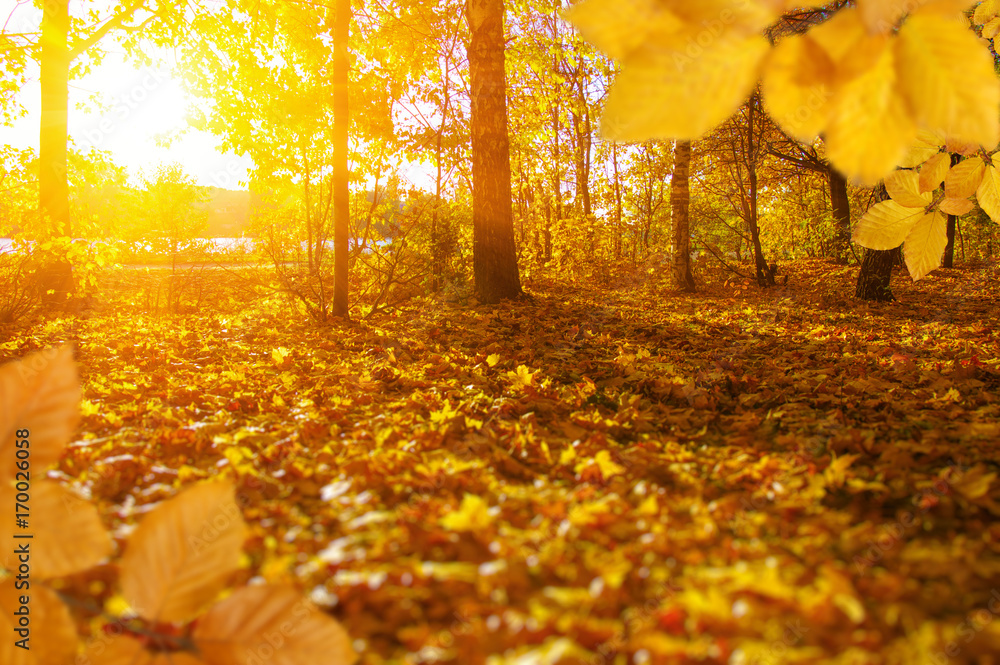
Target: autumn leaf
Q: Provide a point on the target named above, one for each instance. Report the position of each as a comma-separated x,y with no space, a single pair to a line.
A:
903,187
67,533
39,395
125,650
963,179
988,192
273,624
472,515
181,555
886,225
50,633
933,171
925,244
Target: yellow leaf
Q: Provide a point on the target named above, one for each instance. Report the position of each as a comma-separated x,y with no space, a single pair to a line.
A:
279,354
986,11
472,515
493,359
991,28
51,631
649,506
676,89
850,606
903,187
181,555
956,206
886,225
925,244
933,171
841,34
618,28
836,473
963,179
988,193
947,77
272,624
975,483
68,536
926,146
870,127
567,455
797,84
607,466
522,377
39,396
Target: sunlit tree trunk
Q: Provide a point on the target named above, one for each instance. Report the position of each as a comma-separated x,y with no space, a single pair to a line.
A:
53,187
841,207
341,119
494,255
680,198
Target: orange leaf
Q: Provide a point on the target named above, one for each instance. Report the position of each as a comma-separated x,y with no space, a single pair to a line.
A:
122,650
52,638
272,624
68,536
40,394
181,555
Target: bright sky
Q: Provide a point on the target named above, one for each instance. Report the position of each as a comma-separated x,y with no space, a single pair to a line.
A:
136,107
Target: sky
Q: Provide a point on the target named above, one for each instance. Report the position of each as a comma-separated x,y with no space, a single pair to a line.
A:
128,110
136,108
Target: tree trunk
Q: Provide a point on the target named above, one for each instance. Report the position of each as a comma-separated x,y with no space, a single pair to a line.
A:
840,205
949,249
494,254
876,267
680,197
876,273
53,187
341,120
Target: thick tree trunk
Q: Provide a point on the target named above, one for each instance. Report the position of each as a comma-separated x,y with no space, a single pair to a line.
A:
680,197
494,253
876,273
876,267
341,123
841,208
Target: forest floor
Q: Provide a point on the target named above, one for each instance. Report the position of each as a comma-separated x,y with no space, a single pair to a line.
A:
588,475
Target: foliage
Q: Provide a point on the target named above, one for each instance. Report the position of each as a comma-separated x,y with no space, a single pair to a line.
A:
609,473
178,560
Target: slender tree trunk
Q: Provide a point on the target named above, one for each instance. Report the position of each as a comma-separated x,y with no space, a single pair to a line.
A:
949,249
618,201
875,274
765,277
680,197
341,193
840,205
53,187
494,254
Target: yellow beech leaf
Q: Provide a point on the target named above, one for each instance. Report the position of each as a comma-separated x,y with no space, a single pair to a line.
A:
279,354
618,28
124,650
881,16
40,396
956,206
870,127
925,244
947,77
841,34
797,84
271,624
51,632
68,536
473,514
926,146
991,28
963,179
492,359
181,555
988,193
903,187
673,90
886,225
933,171
986,11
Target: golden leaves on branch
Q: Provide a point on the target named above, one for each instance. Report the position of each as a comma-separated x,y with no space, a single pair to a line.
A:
867,80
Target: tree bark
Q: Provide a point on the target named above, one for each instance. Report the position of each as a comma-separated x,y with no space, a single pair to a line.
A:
949,250
680,198
494,253
876,267
341,124
840,206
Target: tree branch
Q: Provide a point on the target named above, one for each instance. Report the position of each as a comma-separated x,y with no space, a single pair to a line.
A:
112,23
